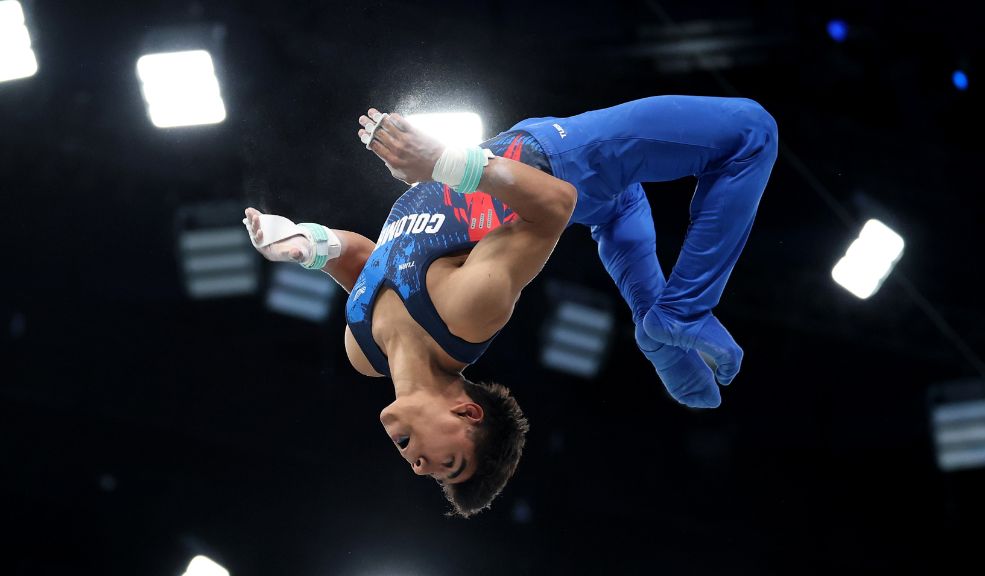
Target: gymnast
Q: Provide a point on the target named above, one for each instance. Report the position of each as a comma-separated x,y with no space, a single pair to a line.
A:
478,224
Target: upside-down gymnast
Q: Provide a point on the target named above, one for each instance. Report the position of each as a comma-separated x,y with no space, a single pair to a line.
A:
429,296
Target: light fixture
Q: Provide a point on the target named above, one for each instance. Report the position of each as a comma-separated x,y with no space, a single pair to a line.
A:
204,566
305,294
869,259
576,333
216,255
960,80
17,59
838,30
957,417
180,88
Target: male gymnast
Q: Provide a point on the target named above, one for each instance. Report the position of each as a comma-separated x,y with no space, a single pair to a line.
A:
458,247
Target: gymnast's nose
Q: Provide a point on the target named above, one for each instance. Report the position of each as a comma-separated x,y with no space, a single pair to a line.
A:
422,466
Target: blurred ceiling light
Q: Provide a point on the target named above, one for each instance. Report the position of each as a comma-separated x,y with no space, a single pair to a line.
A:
204,566
17,59
452,128
838,30
957,416
216,255
869,259
960,80
305,294
704,44
180,89
577,334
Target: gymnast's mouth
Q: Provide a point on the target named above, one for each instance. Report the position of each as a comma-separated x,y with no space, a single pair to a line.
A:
402,441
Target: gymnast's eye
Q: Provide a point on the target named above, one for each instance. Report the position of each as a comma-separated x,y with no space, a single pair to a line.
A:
403,441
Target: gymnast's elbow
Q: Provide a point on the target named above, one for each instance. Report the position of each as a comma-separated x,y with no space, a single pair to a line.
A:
565,198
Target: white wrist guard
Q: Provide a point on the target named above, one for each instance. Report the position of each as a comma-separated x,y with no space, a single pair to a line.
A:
325,244
461,168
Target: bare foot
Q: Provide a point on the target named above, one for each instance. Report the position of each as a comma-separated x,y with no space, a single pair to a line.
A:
293,249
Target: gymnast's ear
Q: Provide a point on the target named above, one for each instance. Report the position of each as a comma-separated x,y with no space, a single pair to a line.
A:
470,411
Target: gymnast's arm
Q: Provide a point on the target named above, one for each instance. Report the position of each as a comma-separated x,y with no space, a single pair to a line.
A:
510,256
538,198
345,269
507,259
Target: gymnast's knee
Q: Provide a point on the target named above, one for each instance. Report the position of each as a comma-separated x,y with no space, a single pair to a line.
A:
760,129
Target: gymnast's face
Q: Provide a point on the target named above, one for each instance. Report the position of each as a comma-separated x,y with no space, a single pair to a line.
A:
432,435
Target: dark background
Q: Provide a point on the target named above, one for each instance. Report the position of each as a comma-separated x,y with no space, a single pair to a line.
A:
139,427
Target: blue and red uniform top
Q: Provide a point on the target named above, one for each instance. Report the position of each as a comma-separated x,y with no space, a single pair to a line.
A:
427,222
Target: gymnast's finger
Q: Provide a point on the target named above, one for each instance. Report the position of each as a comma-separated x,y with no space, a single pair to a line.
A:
385,135
399,122
365,136
382,151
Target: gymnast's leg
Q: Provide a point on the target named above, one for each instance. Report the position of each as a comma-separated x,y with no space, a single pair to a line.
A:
722,212
627,247
730,144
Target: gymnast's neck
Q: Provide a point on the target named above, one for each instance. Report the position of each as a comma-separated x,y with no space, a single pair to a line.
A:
417,367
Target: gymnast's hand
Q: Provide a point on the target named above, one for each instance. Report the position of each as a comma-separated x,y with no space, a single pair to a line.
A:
295,248
409,153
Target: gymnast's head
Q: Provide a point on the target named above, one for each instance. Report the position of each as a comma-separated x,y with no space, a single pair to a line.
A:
469,439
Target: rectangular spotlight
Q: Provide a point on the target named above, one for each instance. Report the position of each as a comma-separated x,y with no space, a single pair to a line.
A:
17,59
305,294
576,335
452,128
869,259
180,88
957,414
217,259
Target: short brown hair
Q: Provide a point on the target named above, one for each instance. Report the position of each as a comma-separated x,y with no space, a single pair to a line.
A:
499,441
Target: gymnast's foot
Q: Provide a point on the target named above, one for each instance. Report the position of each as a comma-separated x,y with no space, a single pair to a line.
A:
297,248
684,374
704,334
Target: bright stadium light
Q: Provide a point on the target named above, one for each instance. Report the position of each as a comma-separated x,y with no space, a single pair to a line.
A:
17,59
452,129
204,566
869,259
180,89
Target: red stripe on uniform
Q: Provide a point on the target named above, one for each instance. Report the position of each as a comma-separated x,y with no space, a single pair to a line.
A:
514,149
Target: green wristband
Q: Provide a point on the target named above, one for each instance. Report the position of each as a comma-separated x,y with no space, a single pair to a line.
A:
473,170
318,234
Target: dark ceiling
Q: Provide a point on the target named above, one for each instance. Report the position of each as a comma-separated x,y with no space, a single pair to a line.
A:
139,426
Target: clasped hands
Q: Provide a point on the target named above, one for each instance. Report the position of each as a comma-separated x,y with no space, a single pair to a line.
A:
408,153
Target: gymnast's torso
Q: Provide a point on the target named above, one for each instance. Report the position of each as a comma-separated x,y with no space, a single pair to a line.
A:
414,276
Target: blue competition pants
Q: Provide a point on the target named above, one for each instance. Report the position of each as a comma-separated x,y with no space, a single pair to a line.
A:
730,145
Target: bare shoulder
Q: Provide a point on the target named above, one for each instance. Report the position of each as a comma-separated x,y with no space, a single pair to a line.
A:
356,356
